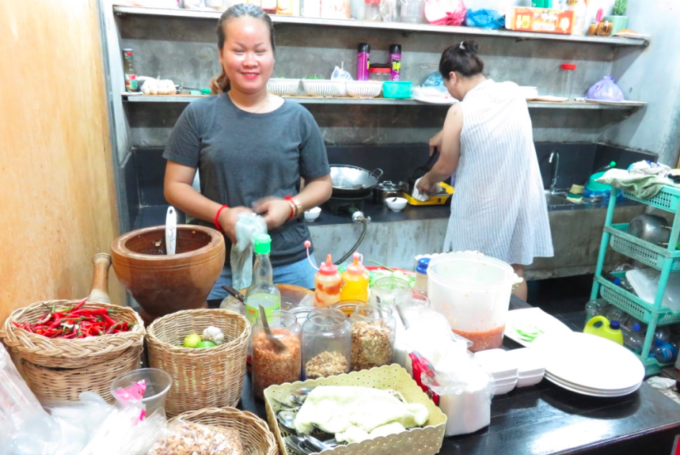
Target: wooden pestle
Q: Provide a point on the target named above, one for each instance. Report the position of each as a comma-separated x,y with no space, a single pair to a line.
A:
99,291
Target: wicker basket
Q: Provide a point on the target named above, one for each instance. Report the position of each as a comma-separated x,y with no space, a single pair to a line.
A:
201,378
71,353
283,86
66,384
256,437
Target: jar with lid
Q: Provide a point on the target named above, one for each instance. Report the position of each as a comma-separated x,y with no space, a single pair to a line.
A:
326,343
270,364
372,10
373,331
379,72
412,11
421,276
347,306
565,81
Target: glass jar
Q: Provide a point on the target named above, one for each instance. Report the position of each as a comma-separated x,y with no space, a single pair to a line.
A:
390,291
412,11
373,332
565,81
347,306
271,365
326,343
379,73
372,10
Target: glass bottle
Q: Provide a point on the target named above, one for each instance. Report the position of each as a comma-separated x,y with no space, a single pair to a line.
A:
271,365
347,306
326,343
355,281
421,275
130,72
373,332
262,291
327,284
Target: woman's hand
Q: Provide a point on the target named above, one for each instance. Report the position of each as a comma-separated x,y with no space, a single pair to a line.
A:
436,142
275,211
228,219
425,186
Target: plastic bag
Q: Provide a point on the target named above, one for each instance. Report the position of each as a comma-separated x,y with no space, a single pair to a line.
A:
445,12
605,90
198,438
645,282
248,226
339,74
484,18
388,10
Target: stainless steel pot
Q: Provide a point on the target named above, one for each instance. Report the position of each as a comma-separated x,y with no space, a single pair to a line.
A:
387,189
651,228
353,181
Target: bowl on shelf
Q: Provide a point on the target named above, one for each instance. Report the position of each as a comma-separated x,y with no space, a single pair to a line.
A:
312,214
396,204
397,89
323,87
364,89
283,86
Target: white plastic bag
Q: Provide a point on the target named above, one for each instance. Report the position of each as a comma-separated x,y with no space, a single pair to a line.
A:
339,74
248,226
645,282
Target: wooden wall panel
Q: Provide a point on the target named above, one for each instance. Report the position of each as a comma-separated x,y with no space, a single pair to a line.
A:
57,198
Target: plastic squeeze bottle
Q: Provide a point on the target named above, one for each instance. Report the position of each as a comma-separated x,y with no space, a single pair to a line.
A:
355,281
262,291
327,281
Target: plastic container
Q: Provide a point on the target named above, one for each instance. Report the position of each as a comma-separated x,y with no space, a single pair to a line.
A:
327,284
363,57
421,275
390,291
364,89
530,366
372,10
602,327
326,343
662,351
355,281
379,72
594,308
283,87
412,11
633,338
321,87
158,383
397,89
262,291
580,10
311,8
357,9
273,366
473,292
373,333
565,80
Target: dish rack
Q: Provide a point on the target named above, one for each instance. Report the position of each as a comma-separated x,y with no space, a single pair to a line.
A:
662,259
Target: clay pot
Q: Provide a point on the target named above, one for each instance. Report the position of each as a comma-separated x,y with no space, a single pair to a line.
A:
162,283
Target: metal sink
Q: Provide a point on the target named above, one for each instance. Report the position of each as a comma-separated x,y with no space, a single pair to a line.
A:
557,199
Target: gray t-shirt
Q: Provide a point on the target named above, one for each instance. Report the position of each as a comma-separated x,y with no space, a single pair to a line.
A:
242,157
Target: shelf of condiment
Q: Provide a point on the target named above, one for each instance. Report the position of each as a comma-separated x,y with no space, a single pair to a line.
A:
186,98
398,26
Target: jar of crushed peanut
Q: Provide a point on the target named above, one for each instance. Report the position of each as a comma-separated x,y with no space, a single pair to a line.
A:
373,329
272,365
326,343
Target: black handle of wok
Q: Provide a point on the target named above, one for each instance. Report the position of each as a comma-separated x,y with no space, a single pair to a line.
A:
235,293
431,161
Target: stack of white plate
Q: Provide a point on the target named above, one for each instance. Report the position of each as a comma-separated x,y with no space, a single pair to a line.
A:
590,365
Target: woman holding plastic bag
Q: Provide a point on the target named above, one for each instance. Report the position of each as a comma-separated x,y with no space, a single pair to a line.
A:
499,206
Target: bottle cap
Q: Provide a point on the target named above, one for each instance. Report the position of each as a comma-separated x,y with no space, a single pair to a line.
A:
423,264
328,268
364,47
569,66
395,49
379,70
636,327
356,267
614,325
617,281
612,164
263,244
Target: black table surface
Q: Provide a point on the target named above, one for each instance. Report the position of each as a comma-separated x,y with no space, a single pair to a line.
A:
546,419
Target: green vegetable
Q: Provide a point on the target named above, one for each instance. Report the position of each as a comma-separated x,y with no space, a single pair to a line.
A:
206,344
529,333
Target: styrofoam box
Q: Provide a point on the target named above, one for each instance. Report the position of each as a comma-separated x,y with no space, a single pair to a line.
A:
497,363
529,362
504,386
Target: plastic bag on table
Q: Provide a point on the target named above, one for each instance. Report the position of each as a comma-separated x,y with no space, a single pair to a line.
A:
485,18
199,438
445,12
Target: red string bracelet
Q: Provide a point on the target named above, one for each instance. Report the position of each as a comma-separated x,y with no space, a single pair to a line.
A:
293,207
217,225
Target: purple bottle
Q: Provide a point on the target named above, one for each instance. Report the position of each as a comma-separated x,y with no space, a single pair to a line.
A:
395,62
363,61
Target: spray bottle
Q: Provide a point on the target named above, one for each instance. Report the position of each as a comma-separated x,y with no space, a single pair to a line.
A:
355,280
327,281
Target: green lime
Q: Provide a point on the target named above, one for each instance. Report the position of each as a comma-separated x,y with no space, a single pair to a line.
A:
206,344
192,341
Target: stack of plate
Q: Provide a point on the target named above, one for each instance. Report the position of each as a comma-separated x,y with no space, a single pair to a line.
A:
590,365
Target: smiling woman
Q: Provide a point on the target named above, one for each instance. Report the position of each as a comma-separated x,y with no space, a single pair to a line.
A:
251,148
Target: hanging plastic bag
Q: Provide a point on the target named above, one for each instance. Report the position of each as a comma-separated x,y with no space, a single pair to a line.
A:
605,90
339,74
248,226
445,12
484,18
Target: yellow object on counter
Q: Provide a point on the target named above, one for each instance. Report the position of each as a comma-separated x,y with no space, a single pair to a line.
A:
576,189
605,330
355,281
435,199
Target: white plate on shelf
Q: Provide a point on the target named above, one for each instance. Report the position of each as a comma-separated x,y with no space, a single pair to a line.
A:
532,320
590,363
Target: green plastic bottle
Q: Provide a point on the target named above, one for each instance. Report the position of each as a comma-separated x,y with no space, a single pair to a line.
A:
262,291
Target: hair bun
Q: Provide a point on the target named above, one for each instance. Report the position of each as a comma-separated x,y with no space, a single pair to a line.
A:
470,47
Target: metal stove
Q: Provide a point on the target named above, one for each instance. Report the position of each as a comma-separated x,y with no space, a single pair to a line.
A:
351,205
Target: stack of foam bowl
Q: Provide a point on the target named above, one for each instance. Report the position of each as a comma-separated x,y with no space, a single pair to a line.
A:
501,367
530,366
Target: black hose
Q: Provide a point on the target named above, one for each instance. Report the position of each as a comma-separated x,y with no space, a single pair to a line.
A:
356,245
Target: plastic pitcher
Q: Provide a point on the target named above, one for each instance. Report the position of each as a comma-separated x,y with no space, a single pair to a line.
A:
158,384
473,292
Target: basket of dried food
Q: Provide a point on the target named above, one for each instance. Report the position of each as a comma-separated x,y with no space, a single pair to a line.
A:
204,373
380,411
227,431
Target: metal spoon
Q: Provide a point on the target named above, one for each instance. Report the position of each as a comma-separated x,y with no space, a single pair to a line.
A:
286,417
170,230
240,297
299,396
270,336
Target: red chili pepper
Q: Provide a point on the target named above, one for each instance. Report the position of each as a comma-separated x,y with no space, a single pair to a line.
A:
55,323
70,335
108,320
113,327
16,324
79,305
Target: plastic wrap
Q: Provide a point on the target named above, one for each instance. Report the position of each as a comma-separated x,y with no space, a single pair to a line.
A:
485,18
182,437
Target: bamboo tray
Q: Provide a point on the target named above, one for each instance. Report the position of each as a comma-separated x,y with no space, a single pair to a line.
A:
416,441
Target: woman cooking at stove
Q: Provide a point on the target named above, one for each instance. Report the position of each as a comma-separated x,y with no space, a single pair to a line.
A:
251,149
499,206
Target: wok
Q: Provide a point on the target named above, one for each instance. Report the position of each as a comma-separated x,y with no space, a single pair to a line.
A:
652,228
353,181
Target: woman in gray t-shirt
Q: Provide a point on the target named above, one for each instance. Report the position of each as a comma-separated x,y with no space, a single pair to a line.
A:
251,149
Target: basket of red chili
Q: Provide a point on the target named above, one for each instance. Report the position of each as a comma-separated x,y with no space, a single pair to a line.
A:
71,333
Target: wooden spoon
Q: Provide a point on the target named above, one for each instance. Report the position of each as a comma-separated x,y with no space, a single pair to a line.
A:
270,336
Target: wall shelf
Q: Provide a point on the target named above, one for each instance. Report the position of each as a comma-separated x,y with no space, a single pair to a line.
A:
398,26
382,101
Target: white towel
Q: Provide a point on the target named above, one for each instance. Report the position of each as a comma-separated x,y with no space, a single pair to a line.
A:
417,195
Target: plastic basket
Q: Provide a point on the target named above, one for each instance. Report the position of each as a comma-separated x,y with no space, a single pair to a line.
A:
320,87
364,89
415,441
667,199
640,250
397,89
283,87
634,305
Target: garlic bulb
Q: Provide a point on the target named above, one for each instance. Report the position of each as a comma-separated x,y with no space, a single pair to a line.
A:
213,334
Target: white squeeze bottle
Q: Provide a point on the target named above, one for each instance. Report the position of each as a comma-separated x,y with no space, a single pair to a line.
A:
262,291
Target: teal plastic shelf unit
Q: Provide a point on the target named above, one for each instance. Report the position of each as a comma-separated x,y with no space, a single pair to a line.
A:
667,199
641,250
